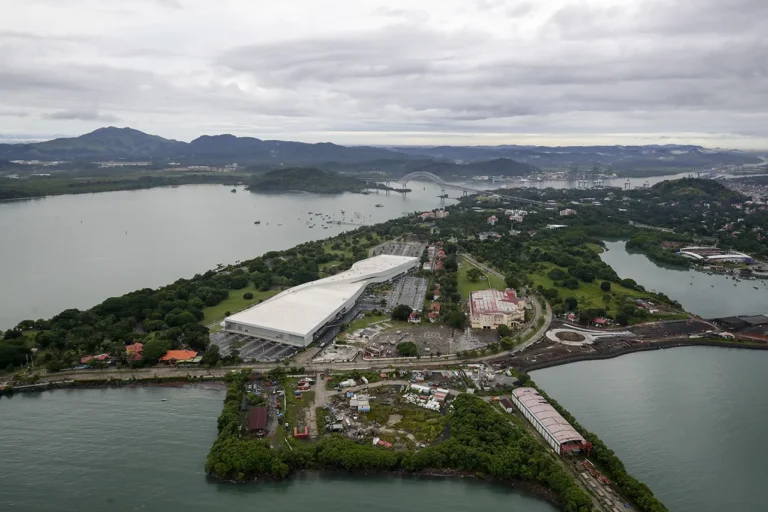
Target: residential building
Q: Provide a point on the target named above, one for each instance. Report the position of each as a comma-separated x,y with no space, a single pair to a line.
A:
567,212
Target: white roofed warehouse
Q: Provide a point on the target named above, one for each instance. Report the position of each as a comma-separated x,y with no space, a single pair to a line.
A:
297,315
555,430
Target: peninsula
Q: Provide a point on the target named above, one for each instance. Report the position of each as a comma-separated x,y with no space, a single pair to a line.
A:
412,375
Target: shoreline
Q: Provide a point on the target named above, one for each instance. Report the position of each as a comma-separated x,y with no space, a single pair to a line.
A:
110,383
662,345
539,491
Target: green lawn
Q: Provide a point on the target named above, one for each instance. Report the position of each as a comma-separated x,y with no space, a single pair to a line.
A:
589,295
465,285
595,247
234,303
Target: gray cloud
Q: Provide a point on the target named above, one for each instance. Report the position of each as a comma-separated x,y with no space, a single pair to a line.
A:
82,115
435,69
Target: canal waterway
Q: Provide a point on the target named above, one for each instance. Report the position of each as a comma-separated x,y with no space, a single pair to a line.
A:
709,296
689,422
125,450
74,251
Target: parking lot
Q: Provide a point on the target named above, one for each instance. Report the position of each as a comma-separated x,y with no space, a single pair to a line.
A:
408,290
250,348
414,249
430,340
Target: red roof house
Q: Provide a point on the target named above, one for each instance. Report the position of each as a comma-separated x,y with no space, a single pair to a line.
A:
178,355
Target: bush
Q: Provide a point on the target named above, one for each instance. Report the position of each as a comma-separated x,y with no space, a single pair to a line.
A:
571,283
605,286
503,331
556,274
629,283
401,312
571,303
407,349
247,295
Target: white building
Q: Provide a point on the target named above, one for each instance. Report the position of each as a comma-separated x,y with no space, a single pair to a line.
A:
489,309
567,212
296,315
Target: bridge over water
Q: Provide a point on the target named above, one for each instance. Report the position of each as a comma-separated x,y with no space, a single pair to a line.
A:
467,190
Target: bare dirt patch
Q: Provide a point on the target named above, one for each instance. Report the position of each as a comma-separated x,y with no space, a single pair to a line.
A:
570,336
394,419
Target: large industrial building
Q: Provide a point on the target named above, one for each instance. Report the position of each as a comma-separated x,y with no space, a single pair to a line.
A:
489,309
555,430
299,315
714,255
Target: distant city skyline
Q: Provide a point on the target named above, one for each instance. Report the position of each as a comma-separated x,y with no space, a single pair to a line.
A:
415,72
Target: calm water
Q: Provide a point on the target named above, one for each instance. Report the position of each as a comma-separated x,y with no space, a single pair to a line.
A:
702,294
689,422
75,251
125,450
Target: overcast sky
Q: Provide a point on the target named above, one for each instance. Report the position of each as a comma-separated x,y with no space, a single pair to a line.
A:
390,72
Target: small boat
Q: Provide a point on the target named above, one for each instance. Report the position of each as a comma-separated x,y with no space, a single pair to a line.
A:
379,205
257,222
234,190
279,224
164,400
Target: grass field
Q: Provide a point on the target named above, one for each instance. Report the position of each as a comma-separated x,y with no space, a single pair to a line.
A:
425,425
465,285
589,295
234,303
295,413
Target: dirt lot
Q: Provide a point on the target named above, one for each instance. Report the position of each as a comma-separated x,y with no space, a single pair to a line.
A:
431,340
646,337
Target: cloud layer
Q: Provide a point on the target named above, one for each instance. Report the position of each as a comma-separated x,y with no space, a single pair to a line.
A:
442,71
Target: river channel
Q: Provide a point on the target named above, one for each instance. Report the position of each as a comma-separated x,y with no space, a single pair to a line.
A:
74,251
689,422
125,450
709,296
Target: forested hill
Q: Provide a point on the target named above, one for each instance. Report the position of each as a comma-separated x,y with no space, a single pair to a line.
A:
306,179
113,143
495,167
695,189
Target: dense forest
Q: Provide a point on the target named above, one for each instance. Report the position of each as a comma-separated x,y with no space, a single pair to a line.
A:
482,442
309,179
76,183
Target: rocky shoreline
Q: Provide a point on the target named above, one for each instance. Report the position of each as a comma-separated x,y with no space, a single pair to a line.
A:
109,383
642,348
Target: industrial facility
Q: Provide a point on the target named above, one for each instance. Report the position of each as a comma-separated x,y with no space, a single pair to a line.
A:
714,255
555,430
489,309
299,315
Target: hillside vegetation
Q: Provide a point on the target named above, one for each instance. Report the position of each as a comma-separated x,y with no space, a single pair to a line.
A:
308,179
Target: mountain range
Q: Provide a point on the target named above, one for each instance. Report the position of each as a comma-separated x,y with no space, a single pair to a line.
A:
112,143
